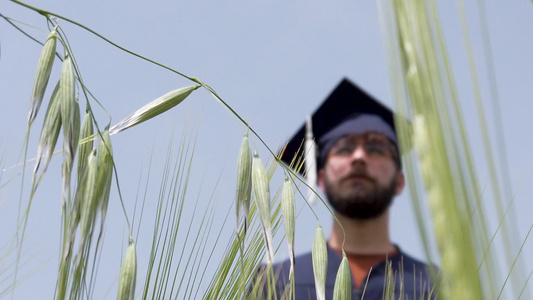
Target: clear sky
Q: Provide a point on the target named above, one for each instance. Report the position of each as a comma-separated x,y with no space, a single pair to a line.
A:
274,62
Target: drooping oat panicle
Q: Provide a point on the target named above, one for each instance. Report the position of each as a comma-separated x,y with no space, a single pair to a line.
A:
67,92
262,197
87,130
320,263
154,108
244,181
49,133
343,282
44,68
128,274
70,118
287,210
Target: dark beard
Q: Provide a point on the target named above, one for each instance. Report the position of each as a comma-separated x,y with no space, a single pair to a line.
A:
360,202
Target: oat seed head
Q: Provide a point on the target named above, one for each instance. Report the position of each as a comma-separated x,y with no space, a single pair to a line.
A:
287,210
128,274
343,282
154,108
44,69
262,197
49,132
320,263
84,149
244,180
89,201
104,158
70,118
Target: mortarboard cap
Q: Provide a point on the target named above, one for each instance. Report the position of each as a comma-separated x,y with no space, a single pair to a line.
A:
347,110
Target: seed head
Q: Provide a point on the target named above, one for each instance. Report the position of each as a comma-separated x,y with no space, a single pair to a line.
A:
128,274
85,148
154,108
44,68
262,196
343,281
287,210
320,263
244,180
49,132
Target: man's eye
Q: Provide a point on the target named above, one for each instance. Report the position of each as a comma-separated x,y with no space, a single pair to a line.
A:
344,149
376,148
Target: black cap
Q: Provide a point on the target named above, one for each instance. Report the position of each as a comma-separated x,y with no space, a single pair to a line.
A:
348,109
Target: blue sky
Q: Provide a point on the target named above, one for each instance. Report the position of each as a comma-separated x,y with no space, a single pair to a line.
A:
273,62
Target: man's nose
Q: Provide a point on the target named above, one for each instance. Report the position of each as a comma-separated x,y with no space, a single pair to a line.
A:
359,154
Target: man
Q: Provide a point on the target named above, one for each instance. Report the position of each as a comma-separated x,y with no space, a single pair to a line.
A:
360,171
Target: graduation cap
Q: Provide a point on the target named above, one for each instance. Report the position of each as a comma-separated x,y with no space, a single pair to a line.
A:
347,110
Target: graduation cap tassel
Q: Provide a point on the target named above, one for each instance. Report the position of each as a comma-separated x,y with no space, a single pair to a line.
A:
310,161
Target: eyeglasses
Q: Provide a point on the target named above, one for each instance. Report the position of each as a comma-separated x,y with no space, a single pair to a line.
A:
375,145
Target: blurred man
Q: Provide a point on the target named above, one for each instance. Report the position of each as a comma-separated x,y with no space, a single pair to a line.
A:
360,172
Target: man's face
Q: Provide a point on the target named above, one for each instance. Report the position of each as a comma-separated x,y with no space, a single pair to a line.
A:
360,177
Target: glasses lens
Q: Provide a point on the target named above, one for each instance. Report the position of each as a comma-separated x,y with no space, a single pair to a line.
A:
374,145
376,148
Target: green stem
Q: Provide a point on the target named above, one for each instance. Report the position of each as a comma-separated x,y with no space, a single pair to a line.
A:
47,14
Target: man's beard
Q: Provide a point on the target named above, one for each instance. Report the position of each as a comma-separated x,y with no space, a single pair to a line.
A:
363,200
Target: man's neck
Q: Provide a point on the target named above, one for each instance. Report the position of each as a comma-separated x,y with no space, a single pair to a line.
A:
362,236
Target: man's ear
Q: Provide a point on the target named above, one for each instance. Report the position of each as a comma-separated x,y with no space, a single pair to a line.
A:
400,182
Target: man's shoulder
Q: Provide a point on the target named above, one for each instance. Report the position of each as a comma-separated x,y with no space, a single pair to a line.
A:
303,270
303,274
414,274
304,257
410,264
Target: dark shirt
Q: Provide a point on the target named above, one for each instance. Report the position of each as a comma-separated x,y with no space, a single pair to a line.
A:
409,277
